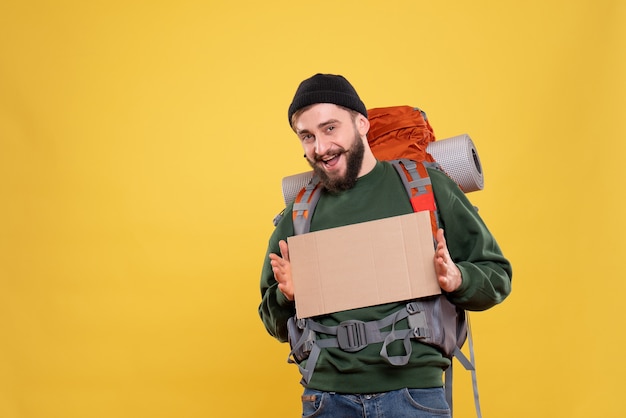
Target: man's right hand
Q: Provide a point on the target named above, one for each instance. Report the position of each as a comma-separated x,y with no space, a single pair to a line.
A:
282,270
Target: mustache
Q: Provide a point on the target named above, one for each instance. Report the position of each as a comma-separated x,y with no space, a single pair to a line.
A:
333,153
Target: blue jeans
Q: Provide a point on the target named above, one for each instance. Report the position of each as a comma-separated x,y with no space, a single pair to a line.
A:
403,403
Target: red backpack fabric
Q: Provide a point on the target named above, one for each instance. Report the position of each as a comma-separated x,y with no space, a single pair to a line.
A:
399,132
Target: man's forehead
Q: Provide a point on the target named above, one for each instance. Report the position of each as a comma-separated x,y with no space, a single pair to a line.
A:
319,114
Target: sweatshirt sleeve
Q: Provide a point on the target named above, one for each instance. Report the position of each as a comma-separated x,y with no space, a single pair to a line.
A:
486,273
275,309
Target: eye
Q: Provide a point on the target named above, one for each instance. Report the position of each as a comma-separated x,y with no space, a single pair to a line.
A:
307,138
330,128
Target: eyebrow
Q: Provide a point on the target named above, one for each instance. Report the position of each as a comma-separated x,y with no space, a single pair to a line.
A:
319,126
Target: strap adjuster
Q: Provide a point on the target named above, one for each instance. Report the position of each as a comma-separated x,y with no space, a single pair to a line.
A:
301,323
413,308
351,336
420,333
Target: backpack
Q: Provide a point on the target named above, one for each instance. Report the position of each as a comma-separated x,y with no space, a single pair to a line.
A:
400,135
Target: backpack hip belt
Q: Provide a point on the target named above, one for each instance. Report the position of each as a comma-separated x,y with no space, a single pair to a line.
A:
424,317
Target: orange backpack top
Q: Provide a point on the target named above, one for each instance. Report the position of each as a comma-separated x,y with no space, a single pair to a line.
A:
400,132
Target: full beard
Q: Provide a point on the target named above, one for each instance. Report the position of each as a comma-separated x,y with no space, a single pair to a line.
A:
354,160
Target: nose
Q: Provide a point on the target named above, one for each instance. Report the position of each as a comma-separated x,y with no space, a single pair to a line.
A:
321,145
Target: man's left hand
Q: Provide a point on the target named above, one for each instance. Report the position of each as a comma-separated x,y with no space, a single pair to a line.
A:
448,274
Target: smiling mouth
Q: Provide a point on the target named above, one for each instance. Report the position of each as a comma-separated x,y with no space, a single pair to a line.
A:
329,161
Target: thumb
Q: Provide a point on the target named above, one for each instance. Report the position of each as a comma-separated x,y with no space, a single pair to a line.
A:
441,239
284,249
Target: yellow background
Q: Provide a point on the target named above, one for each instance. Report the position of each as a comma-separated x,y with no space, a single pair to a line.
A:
142,144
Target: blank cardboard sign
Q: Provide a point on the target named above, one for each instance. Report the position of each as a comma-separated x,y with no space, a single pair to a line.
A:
365,264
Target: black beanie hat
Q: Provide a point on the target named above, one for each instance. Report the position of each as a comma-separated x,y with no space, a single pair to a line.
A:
326,88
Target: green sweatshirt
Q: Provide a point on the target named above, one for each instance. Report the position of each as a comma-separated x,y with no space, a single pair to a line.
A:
380,194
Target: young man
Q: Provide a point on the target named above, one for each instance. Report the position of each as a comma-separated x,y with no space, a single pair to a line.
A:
331,123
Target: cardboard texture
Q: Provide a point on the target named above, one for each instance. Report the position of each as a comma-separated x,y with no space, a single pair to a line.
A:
365,264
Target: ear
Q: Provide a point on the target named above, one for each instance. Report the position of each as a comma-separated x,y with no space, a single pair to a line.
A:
362,125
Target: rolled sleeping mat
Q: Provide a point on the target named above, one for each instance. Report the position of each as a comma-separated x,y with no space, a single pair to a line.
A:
457,156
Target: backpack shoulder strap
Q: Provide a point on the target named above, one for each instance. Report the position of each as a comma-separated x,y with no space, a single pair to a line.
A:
304,205
418,187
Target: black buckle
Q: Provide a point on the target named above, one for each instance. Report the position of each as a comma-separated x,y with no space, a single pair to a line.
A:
351,336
